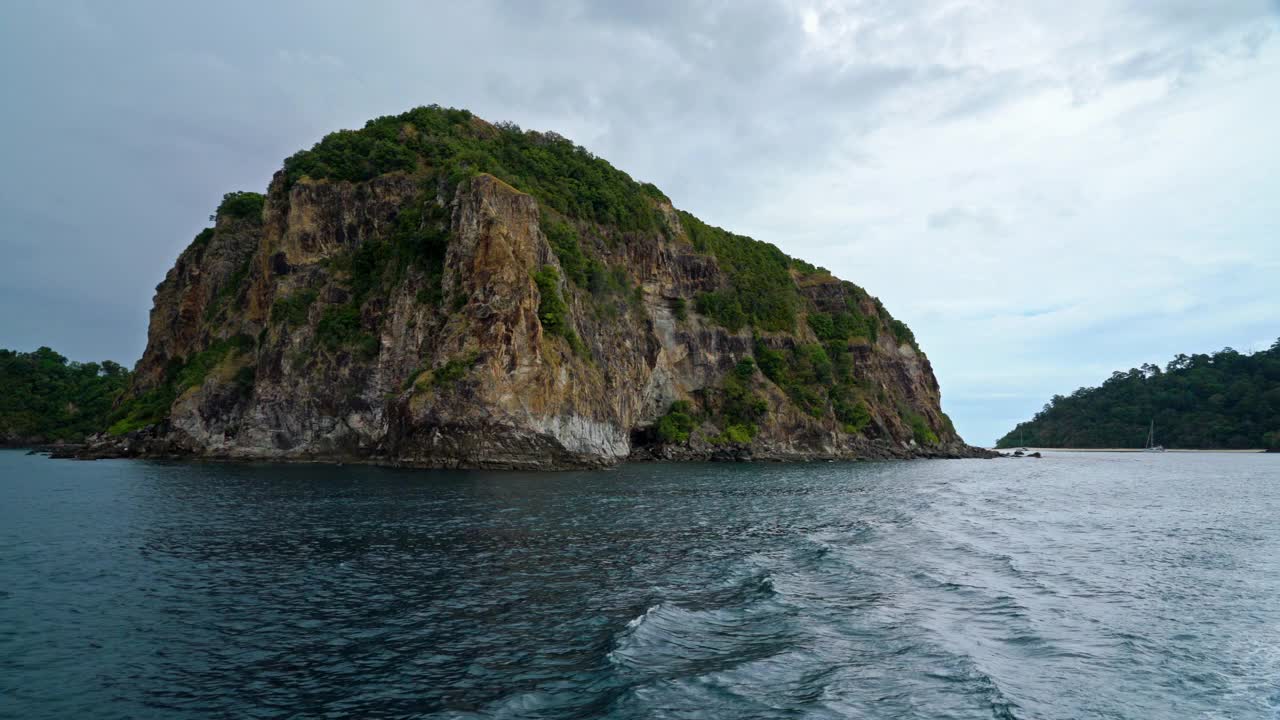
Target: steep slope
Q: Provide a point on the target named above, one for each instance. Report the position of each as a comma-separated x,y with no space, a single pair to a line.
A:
439,291
1227,400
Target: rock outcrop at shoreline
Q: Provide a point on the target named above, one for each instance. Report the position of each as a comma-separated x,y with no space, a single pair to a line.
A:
437,291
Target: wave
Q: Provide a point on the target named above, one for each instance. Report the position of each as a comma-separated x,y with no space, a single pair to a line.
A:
724,627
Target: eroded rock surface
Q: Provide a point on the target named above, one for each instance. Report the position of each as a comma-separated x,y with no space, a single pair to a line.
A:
400,320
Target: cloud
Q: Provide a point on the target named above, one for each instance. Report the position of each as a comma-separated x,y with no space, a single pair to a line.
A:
1045,191
296,57
982,219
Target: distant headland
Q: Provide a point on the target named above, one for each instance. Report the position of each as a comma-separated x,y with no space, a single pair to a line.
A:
1222,401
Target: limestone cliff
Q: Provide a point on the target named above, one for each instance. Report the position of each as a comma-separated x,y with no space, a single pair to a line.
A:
434,290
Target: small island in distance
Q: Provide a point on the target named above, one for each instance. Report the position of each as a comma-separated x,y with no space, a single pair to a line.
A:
1221,401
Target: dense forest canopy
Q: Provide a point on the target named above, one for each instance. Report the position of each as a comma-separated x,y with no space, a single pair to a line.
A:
45,398
1227,400
562,175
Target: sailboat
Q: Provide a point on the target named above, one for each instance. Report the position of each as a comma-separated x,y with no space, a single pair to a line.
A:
1151,445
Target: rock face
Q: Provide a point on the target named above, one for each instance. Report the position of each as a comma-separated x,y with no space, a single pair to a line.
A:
420,318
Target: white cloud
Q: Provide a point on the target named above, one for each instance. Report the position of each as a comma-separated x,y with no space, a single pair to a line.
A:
301,57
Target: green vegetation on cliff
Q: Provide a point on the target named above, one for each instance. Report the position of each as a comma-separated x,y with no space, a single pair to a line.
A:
818,379
841,327
181,374
241,206
762,291
738,407
340,328
416,244
553,312
578,267
920,429
678,423
560,174
44,398
733,406
574,186
292,309
1227,400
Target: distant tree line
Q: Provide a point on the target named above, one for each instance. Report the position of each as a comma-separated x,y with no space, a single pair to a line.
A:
45,398
1226,400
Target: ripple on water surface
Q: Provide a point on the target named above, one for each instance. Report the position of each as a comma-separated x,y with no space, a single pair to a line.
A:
1097,585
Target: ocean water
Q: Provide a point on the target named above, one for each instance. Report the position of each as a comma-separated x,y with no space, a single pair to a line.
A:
1077,586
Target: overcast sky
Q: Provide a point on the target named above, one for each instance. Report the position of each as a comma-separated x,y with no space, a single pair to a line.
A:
1045,191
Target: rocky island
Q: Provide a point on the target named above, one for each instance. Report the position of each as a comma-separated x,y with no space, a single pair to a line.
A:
435,290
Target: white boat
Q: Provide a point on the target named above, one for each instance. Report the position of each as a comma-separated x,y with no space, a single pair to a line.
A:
1151,445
